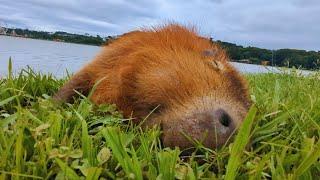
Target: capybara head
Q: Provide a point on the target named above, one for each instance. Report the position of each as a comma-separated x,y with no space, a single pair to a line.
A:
184,79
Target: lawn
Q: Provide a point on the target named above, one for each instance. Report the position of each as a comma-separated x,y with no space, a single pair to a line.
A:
40,139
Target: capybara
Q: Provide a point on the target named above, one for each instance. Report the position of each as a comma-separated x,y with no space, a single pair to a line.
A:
185,79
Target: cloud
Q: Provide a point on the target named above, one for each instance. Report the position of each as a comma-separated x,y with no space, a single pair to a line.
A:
269,24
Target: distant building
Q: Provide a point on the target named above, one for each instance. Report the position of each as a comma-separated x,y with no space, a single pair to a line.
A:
248,61
13,33
58,40
3,31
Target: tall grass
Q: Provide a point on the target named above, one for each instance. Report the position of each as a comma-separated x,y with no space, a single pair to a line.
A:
40,139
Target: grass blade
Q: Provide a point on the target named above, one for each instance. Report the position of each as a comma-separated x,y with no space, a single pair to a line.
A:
308,161
93,173
239,144
68,172
6,101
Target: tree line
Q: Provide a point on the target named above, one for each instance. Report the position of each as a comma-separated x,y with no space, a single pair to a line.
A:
281,57
59,36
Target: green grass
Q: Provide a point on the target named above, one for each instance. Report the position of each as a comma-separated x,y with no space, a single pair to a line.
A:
40,139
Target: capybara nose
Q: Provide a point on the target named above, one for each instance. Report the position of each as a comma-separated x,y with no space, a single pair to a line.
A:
217,121
223,117
219,125
212,128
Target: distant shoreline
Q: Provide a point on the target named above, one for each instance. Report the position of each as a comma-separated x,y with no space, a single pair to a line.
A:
50,40
274,68
301,59
59,36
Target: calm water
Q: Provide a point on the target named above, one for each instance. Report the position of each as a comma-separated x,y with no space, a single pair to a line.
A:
56,57
44,56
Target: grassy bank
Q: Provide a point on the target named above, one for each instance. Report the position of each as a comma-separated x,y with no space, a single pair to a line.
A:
43,140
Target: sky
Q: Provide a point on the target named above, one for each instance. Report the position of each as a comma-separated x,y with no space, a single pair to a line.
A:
271,24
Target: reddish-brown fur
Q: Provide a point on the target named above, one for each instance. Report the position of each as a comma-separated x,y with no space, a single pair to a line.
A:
172,69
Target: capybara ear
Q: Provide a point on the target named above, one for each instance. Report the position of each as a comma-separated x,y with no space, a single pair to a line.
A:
80,82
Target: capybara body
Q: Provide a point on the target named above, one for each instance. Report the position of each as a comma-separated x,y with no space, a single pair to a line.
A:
185,80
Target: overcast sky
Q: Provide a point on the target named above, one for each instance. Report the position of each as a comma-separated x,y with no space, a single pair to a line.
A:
268,24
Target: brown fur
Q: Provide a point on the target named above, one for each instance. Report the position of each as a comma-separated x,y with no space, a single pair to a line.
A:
170,67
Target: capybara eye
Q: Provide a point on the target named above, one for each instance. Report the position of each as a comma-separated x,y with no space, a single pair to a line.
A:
155,109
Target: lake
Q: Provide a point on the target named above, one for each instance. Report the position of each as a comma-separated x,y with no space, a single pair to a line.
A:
56,57
45,56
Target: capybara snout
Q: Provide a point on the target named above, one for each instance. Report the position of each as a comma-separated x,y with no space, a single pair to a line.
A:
210,128
197,95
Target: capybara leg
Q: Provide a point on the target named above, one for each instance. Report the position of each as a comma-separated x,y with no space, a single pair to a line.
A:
80,82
